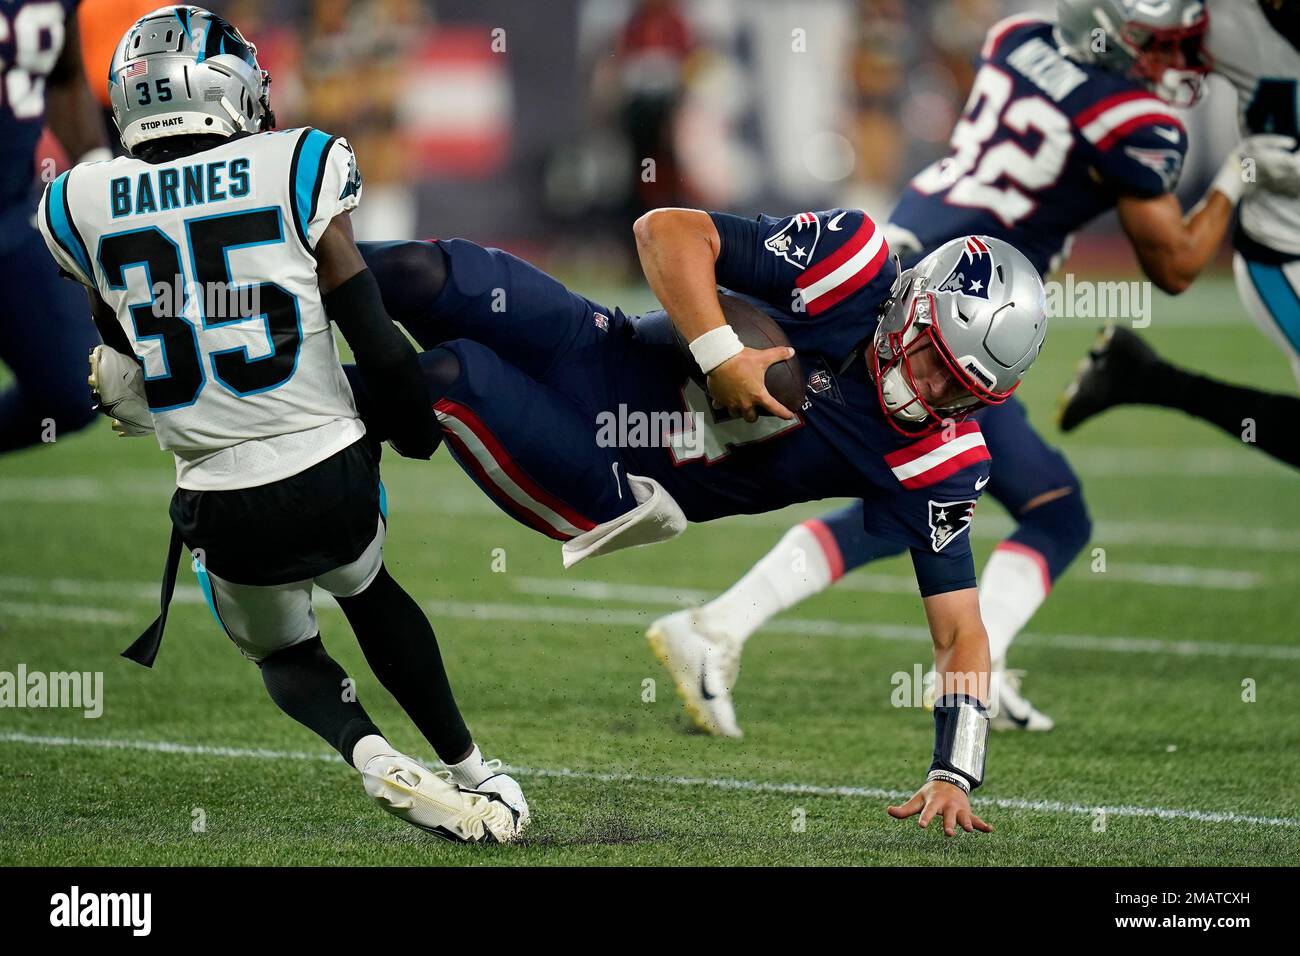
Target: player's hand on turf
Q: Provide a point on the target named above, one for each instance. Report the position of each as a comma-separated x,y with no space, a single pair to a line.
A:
943,800
738,384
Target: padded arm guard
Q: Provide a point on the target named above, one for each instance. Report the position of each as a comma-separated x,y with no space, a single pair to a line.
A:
961,733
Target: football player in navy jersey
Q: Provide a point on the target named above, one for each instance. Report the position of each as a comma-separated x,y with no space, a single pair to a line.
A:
45,328
1256,46
529,379
1058,129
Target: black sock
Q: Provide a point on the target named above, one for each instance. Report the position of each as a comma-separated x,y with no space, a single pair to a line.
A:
1269,421
400,646
308,685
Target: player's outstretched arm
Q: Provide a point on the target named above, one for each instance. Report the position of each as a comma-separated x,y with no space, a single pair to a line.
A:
385,358
961,662
679,249
1172,248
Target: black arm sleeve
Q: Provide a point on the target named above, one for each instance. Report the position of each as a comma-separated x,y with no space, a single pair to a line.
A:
387,363
106,325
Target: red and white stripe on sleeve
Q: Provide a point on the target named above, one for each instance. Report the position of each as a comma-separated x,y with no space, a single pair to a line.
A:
932,459
998,32
846,270
1108,121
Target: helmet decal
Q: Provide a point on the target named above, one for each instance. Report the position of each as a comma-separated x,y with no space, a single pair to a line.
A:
973,273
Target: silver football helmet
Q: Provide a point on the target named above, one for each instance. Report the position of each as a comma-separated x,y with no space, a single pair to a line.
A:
1160,42
183,70
981,305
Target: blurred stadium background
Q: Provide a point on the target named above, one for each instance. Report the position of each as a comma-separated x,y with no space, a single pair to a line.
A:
528,124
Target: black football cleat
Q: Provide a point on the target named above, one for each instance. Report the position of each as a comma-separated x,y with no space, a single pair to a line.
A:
1112,374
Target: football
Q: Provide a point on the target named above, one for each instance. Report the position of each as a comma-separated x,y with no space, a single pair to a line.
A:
757,330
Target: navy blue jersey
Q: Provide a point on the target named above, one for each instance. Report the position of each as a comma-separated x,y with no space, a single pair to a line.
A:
1043,146
824,286
31,41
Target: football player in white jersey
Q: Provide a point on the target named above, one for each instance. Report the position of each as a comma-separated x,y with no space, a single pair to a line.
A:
216,256
1256,46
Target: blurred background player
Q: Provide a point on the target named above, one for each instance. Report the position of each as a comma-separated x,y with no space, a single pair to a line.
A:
1054,134
1256,45
237,371
44,329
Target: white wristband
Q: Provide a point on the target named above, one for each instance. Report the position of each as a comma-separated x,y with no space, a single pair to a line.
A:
956,779
1229,181
716,346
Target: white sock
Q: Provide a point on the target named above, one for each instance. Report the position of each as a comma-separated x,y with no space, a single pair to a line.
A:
471,771
369,747
804,562
1013,586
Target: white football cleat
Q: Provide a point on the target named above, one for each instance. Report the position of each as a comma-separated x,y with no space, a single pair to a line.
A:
705,668
427,800
1014,712
508,790
117,382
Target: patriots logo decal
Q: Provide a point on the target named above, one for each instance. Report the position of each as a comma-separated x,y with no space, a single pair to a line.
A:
948,519
796,240
1165,163
973,272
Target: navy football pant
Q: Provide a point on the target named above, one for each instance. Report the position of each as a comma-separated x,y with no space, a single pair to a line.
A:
1024,468
522,369
45,335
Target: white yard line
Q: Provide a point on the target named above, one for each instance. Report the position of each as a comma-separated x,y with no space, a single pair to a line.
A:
631,618
1118,644
406,495
872,581
77,614
1056,807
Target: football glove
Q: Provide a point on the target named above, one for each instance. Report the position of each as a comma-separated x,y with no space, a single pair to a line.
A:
1265,161
1277,164
117,383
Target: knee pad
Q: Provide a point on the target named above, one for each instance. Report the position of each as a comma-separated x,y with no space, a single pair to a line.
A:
411,276
441,371
1058,530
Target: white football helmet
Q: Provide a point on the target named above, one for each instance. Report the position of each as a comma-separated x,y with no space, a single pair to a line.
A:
982,306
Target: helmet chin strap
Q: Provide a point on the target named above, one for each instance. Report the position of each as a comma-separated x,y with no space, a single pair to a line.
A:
237,119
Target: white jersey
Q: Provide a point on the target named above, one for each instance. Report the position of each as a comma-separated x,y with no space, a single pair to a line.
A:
241,370
1264,67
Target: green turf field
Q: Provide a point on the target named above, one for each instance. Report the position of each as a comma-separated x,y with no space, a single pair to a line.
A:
1141,666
